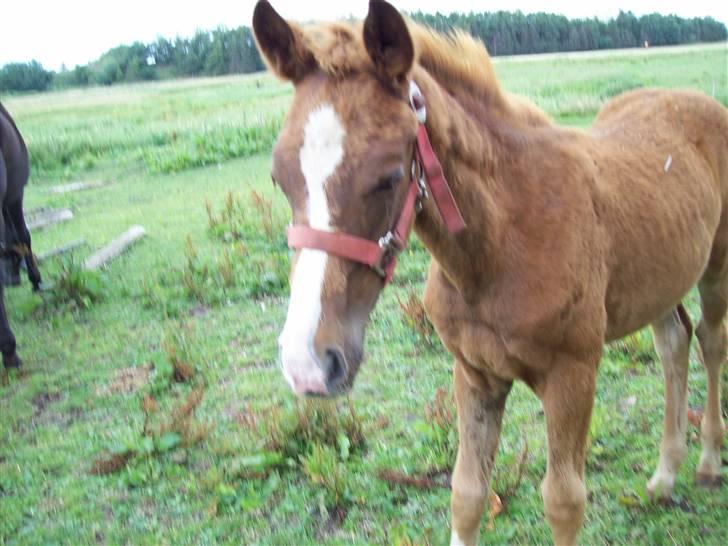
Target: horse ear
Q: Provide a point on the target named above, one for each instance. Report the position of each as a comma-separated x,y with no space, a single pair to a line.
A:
281,44
388,41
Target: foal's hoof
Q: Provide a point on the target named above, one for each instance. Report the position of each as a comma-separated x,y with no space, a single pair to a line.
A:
12,361
708,481
659,488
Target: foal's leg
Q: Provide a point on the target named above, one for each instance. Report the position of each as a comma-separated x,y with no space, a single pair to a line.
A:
480,401
672,341
16,217
568,398
711,333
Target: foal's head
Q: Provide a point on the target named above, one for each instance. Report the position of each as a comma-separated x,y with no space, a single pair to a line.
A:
343,159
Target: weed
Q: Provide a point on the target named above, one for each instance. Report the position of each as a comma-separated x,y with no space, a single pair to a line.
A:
438,432
508,474
180,351
415,318
323,467
310,422
226,269
75,286
258,225
264,210
267,275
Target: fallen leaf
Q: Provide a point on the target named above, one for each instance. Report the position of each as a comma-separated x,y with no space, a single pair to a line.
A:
695,416
496,507
630,501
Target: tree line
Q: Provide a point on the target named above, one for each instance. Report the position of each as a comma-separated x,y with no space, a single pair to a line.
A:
233,51
515,33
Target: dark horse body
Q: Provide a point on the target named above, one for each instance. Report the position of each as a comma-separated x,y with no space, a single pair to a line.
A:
14,234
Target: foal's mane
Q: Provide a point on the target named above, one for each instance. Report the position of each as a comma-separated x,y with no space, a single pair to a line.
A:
457,61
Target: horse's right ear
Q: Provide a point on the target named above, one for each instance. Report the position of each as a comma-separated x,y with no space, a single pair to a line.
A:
281,44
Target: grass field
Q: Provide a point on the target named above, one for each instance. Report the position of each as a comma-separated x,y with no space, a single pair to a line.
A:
151,409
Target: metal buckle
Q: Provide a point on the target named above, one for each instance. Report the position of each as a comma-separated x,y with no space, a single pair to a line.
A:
421,186
385,242
389,248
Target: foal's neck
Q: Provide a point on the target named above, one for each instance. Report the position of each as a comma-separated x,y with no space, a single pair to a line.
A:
466,134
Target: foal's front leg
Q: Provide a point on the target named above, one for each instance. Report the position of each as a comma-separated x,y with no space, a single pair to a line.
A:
568,397
480,400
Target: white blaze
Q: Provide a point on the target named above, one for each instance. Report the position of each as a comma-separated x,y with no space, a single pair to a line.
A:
320,156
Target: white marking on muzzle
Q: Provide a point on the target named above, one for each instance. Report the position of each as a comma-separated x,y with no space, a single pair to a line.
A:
320,156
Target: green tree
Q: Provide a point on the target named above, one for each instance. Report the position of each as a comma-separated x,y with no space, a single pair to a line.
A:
25,77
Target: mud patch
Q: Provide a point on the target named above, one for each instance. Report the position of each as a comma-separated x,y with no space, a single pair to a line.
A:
126,381
41,402
333,523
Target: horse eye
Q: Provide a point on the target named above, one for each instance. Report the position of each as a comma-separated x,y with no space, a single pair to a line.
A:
390,181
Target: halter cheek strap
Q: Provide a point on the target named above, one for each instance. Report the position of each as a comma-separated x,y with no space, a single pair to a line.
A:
381,256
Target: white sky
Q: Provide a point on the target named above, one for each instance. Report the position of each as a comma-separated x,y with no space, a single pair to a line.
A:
78,31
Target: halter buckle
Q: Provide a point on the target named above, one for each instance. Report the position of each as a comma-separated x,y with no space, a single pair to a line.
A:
389,245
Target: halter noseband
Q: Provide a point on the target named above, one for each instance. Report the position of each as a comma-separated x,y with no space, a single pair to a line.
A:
381,256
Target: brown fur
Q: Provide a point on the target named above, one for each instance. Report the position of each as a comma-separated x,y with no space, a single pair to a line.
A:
574,238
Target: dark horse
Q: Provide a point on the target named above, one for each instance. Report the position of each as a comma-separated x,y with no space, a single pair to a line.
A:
14,234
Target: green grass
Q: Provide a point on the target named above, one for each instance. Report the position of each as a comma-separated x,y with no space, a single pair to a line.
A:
177,296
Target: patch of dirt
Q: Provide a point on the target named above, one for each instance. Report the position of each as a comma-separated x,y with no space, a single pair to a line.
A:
42,401
335,520
43,413
199,311
126,381
678,502
237,371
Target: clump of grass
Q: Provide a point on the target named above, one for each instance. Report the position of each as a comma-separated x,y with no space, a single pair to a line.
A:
638,347
196,275
259,236
264,210
324,467
76,287
258,224
293,432
212,146
180,352
438,432
316,436
267,275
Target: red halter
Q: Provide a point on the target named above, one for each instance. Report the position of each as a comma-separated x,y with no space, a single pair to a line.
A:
381,256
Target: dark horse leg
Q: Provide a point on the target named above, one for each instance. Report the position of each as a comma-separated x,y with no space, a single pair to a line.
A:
16,219
7,339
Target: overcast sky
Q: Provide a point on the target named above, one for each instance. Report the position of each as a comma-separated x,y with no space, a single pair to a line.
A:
78,31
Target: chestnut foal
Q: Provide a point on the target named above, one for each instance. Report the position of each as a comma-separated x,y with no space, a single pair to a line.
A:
563,239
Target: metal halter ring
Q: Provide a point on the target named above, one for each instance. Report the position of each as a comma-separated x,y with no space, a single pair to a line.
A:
417,102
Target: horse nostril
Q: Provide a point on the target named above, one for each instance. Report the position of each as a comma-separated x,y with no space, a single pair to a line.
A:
334,369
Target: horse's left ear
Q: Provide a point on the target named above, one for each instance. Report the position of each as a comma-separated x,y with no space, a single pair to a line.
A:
388,41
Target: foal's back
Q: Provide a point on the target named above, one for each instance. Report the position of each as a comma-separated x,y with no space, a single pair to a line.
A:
661,167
